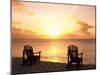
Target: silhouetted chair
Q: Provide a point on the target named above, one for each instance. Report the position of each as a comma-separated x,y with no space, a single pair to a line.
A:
28,55
74,57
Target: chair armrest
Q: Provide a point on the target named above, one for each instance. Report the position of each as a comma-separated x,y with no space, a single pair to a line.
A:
37,52
80,54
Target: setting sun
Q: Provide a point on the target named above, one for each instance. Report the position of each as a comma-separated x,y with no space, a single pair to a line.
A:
54,32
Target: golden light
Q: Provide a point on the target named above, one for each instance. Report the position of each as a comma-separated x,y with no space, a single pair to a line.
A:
54,59
53,51
55,28
54,31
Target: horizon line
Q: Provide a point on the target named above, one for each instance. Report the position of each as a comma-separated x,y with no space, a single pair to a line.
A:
56,39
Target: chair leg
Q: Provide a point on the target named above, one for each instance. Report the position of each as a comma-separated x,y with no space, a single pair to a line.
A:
67,65
39,59
25,61
77,65
82,61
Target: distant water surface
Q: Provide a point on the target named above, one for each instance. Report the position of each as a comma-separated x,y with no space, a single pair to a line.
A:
56,50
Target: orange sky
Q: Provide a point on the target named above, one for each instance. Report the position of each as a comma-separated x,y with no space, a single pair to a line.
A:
52,21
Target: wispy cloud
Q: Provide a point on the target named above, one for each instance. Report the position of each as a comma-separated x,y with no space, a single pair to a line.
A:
15,22
22,7
21,30
15,29
18,6
18,33
29,31
83,27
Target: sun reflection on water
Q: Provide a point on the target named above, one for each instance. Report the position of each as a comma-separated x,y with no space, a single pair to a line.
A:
54,53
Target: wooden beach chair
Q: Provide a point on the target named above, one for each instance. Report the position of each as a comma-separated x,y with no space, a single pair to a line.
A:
74,57
28,55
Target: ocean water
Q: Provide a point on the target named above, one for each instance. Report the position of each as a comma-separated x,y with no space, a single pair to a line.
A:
56,50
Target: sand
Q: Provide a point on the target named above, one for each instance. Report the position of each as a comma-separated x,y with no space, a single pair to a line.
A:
44,66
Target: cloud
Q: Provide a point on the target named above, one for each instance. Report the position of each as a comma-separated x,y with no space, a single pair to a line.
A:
77,36
31,13
18,33
84,27
83,31
15,29
15,22
73,36
22,8
30,32
17,5
23,31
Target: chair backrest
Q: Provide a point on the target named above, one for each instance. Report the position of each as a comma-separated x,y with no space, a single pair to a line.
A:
28,50
73,52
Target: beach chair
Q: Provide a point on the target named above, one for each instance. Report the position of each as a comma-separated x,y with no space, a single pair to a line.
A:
29,56
74,57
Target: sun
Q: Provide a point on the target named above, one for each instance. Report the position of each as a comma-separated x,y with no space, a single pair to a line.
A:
54,31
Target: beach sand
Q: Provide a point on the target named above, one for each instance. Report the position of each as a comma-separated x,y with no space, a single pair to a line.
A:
44,66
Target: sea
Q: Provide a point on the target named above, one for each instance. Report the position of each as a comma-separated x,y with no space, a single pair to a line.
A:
55,50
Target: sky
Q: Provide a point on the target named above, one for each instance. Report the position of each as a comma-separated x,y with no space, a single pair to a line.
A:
31,20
